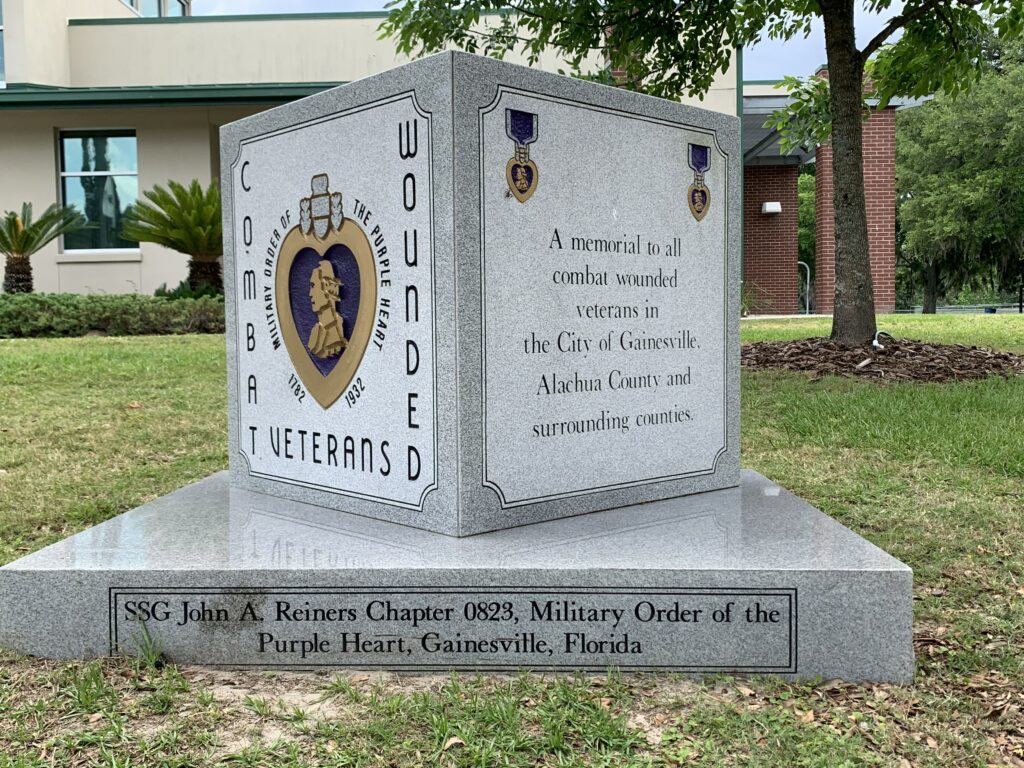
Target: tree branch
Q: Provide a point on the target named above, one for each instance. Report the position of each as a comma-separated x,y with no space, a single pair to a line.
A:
898,22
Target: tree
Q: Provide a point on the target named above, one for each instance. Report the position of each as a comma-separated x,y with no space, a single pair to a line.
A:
184,219
669,48
960,175
20,237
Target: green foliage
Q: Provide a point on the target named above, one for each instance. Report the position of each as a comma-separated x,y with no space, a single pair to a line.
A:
187,220
670,49
186,291
960,177
20,237
184,219
88,690
807,121
945,47
68,314
661,52
149,648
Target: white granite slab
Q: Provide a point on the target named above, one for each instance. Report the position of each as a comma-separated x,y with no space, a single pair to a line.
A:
228,577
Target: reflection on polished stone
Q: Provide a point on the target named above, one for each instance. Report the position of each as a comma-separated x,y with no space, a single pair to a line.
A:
211,526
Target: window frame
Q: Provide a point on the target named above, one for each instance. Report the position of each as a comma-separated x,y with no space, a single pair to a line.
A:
163,10
63,133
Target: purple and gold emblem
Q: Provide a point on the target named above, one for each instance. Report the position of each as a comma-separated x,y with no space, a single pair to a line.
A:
698,195
521,171
326,290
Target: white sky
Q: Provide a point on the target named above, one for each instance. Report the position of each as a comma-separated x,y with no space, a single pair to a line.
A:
771,60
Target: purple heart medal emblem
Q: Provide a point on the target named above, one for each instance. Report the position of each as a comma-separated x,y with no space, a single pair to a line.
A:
326,291
698,195
521,171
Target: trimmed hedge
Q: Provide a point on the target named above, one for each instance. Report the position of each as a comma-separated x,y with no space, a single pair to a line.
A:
68,314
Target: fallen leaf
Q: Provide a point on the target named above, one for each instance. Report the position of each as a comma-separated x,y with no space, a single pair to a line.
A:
807,717
744,690
95,716
134,405
452,742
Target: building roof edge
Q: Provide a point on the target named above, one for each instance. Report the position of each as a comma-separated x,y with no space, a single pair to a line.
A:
37,96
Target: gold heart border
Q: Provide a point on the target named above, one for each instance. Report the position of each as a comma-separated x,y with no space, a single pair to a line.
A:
327,389
689,200
522,197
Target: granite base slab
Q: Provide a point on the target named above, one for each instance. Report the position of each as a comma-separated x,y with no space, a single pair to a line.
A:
746,580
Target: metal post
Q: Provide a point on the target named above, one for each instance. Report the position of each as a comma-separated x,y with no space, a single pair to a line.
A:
807,289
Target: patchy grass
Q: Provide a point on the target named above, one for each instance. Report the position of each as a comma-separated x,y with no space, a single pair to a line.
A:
1001,331
94,426
932,473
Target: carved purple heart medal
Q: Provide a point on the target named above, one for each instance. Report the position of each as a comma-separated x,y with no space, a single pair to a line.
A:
521,171
326,289
698,195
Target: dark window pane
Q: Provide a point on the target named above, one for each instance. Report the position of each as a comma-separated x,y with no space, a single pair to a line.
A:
104,200
98,152
2,70
149,7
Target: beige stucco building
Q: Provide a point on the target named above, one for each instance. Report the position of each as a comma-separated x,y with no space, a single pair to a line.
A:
102,99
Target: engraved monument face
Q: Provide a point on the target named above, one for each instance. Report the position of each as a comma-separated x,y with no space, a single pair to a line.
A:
319,225
470,296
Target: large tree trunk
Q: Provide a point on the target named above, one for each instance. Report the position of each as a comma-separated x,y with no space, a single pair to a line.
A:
931,287
853,321
18,275
205,273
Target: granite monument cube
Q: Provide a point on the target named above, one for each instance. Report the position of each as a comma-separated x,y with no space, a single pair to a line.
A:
465,295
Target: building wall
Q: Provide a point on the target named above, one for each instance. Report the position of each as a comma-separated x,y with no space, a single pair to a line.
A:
36,36
770,248
208,50
173,143
879,149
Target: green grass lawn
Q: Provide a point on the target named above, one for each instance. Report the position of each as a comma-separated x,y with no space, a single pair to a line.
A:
1004,332
932,473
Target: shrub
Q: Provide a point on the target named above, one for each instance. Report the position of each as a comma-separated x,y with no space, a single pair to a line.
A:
69,314
186,291
186,219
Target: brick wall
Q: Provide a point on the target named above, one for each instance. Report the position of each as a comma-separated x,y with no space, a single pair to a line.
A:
880,197
770,248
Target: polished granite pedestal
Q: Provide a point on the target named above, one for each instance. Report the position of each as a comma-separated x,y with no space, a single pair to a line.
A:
749,579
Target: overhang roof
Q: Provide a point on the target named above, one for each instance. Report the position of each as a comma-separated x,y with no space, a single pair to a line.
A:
30,96
761,146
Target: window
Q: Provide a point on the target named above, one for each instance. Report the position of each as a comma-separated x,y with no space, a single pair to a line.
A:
99,175
3,75
153,8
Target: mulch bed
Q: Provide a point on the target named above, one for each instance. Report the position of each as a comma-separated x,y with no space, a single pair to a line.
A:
897,360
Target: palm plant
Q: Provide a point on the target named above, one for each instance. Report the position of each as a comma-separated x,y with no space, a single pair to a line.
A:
20,237
184,219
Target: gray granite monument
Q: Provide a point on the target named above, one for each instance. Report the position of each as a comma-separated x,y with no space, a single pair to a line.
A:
469,303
